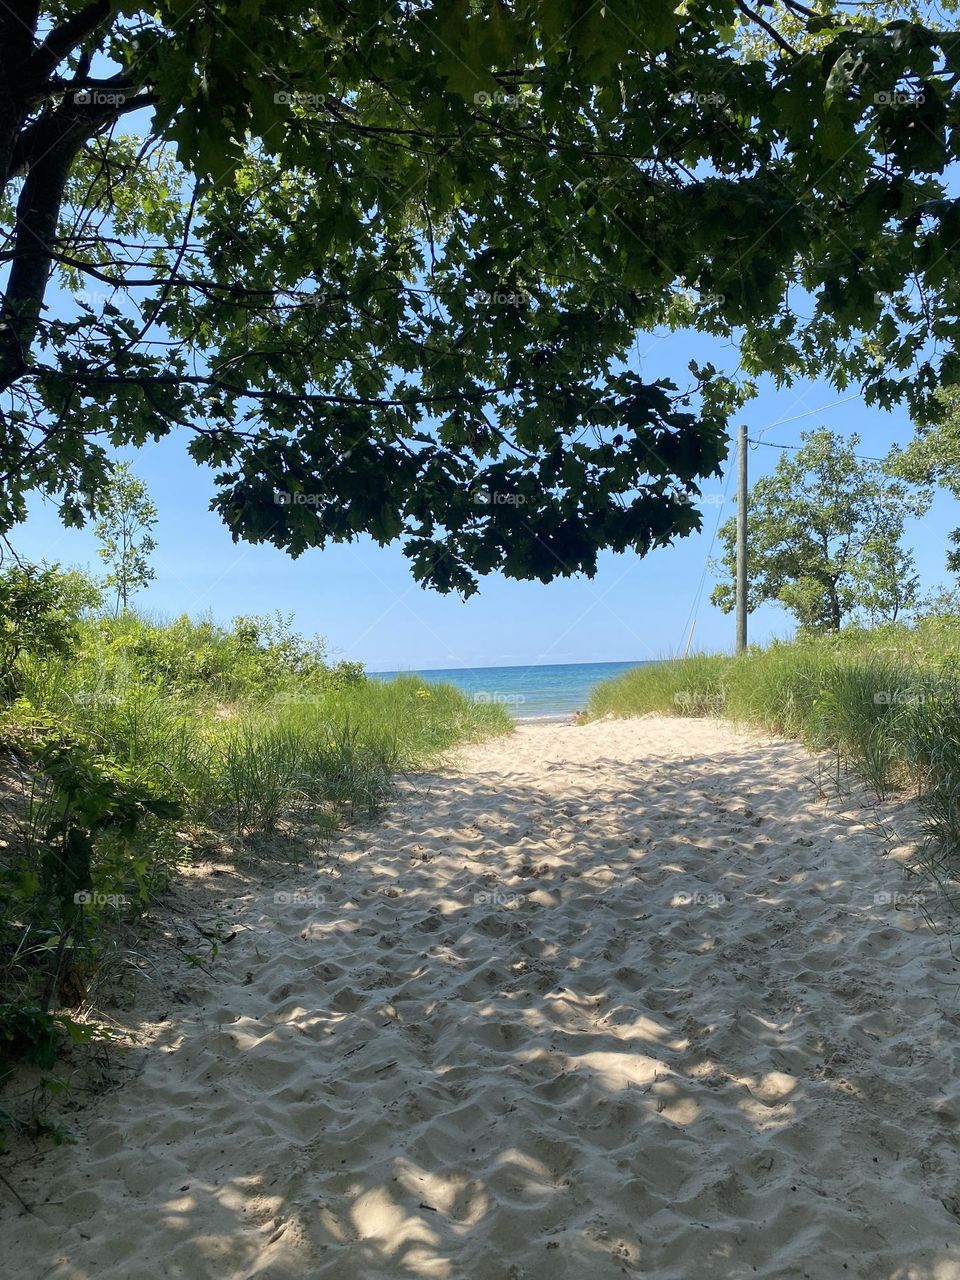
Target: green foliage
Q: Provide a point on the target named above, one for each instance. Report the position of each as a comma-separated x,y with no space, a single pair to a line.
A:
812,33
561,179
933,457
92,801
246,745
28,1032
281,653
39,612
126,516
256,657
87,836
35,1036
138,735
87,842
824,538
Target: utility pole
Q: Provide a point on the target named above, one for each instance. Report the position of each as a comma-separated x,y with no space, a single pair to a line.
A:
742,539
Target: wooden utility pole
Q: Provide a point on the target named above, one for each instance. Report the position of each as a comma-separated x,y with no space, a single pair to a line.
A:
742,540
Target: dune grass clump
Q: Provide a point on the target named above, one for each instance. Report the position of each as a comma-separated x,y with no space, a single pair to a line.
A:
691,686
246,748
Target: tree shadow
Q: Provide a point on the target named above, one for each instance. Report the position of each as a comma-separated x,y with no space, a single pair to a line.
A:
653,1022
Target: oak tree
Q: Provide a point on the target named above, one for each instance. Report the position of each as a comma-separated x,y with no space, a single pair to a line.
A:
826,537
372,260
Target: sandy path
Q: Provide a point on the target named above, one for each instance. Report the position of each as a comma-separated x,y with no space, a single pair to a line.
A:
615,1000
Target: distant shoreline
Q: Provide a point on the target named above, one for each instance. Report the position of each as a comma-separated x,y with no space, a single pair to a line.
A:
513,666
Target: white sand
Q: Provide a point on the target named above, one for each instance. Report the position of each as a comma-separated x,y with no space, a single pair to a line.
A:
615,1001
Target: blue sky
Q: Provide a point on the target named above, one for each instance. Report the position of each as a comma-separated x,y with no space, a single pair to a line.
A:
363,600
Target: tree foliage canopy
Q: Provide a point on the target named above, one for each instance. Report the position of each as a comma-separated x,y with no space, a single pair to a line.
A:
825,535
376,261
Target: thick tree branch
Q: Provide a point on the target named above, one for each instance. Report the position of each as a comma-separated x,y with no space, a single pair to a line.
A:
38,212
30,140
63,39
18,22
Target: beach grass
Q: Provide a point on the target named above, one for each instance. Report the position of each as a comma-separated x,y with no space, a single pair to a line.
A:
244,758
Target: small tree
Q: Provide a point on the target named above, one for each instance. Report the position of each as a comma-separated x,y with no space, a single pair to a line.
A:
39,609
933,457
825,535
127,515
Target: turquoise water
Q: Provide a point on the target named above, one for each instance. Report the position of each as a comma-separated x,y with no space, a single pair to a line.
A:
529,692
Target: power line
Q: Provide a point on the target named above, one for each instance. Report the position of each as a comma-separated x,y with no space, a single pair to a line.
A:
768,444
811,413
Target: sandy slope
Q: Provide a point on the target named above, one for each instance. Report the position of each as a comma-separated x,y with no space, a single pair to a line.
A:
615,1000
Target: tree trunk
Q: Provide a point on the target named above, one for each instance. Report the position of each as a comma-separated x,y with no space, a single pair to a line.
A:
38,213
42,152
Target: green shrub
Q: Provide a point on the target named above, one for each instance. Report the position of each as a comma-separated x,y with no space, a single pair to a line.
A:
40,609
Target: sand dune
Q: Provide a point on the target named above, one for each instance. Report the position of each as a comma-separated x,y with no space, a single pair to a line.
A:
628,999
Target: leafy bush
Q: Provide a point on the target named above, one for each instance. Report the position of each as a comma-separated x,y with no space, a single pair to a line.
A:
39,613
88,838
35,1036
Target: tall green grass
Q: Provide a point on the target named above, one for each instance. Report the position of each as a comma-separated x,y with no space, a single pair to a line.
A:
887,702
331,748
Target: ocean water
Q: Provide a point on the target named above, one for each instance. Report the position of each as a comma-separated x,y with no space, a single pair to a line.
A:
534,692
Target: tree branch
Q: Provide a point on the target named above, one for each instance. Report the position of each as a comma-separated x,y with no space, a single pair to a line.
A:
31,139
771,31
211,382
38,211
63,39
